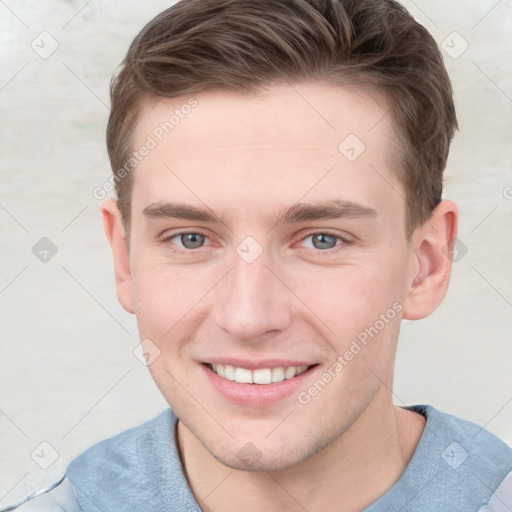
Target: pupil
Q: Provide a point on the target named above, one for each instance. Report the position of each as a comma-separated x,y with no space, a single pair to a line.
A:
324,241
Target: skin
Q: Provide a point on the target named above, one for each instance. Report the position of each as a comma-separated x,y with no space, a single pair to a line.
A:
247,158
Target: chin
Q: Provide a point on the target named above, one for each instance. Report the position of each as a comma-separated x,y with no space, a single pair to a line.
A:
265,455
256,461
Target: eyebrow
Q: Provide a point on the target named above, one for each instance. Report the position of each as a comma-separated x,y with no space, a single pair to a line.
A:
300,212
178,211
334,209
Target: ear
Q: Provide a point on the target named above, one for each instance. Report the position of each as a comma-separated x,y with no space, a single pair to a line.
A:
431,261
114,229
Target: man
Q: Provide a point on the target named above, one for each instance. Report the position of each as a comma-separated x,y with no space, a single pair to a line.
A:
278,166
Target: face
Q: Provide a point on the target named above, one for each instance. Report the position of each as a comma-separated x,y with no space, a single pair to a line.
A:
268,244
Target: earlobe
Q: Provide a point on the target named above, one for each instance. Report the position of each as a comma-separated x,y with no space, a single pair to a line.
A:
432,251
114,230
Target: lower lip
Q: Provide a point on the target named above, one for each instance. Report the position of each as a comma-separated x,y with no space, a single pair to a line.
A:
256,395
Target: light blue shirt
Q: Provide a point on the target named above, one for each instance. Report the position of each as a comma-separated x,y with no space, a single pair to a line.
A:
457,467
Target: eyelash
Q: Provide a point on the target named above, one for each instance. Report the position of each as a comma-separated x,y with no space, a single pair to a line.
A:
343,241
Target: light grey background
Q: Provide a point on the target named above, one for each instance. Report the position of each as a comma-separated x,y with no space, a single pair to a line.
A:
68,374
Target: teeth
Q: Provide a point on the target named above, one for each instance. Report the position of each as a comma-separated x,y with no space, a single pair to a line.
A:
263,376
260,376
229,372
277,374
220,369
301,369
290,372
243,376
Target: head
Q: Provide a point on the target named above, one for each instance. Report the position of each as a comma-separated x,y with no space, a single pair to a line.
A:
279,171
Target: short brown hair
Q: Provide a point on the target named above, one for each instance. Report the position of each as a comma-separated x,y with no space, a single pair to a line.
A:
244,45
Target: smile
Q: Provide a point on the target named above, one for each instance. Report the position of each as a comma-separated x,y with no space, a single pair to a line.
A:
258,376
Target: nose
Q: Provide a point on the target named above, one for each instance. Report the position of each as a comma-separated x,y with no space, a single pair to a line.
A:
252,300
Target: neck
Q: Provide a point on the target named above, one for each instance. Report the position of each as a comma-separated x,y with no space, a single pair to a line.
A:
354,471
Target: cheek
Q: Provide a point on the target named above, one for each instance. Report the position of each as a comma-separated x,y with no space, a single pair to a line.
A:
348,299
166,296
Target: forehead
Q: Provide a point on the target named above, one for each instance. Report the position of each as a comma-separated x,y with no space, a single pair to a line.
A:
277,145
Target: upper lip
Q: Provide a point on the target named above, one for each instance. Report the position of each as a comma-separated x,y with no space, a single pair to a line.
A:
256,365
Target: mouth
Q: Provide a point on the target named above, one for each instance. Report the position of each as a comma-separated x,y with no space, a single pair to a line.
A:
257,384
252,383
261,376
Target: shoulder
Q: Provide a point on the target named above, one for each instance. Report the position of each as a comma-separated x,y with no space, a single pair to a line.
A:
113,471
123,450
124,472
59,497
469,468
457,465
468,443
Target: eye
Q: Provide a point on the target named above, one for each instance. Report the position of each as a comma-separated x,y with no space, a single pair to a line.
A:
187,240
324,240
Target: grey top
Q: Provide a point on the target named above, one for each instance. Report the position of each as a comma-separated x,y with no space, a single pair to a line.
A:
457,466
